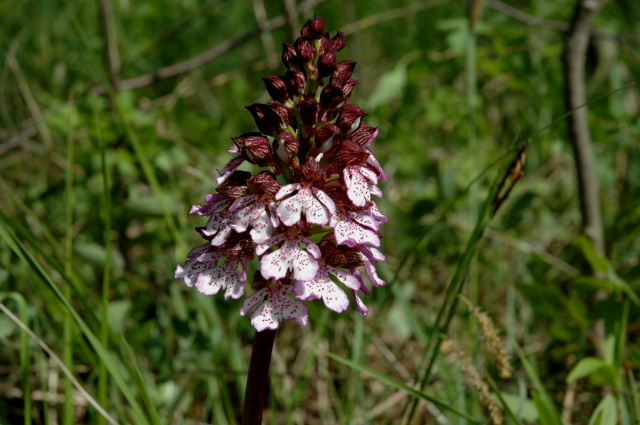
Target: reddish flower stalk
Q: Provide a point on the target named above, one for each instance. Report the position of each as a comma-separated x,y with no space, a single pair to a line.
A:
319,180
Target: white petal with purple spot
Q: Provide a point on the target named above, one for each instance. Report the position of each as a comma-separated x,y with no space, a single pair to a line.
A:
277,306
289,256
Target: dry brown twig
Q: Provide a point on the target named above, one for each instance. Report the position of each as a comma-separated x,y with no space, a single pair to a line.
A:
536,21
573,60
209,55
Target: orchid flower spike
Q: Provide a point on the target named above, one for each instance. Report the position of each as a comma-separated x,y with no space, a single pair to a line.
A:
310,213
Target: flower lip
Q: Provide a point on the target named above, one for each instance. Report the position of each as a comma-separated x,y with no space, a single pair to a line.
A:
275,308
316,205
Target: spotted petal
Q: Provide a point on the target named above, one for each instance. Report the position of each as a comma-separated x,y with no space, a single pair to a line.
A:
219,227
356,179
353,229
322,287
256,212
370,256
376,214
214,202
316,205
289,256
203,272
277,306
374,161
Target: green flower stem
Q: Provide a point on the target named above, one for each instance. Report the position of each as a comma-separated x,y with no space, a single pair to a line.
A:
258,377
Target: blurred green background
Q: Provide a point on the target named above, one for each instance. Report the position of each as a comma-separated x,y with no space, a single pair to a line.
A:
95,191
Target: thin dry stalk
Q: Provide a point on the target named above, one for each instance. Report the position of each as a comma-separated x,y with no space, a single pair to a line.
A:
573,59
267,40
29,98
207,56
111,56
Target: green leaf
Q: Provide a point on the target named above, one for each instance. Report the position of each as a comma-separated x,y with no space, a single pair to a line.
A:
390,86
597,262
606,413
524,409
621,285
117,312
585,367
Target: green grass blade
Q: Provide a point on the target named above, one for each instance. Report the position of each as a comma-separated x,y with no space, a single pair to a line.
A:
105,214
52,355
547,410
25,358
141,383
403,387
77,287
505,405
67,336
25,255
635,395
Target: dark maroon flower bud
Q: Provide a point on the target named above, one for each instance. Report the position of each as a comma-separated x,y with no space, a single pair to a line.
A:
309,174
266,119
240,245
290,57
341,199
349,118
343,72
313,28
340,255
308,112
350,153
282,112
347,88
331,96
259,282
327,248
264,183
295,82
286,148
255,148
236,185
327,63
325,137
304,49
337,42
362,136
277,88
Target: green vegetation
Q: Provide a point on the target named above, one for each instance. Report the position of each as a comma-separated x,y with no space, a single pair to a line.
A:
95,188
